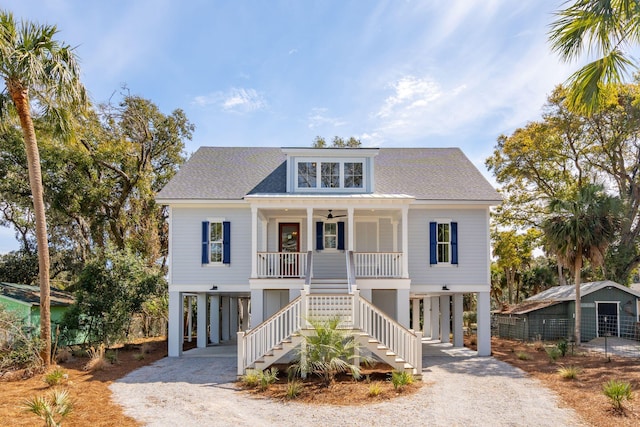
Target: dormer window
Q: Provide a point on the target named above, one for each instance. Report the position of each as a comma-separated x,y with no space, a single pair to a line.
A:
330,174
307,175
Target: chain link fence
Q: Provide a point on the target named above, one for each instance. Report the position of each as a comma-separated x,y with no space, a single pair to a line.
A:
619,335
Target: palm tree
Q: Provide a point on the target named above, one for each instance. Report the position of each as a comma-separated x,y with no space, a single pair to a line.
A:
41,79
605,27
582,228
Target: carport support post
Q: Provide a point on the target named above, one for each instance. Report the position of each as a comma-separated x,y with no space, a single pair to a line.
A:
257,307
201,320
426,316
458,337
214,318
415,314
484,324
176,324
225,314
435,318
445,318
233,319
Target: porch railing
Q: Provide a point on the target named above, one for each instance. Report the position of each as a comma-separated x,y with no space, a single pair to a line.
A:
378,264
281,264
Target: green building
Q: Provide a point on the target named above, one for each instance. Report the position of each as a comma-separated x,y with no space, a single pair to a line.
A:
25,300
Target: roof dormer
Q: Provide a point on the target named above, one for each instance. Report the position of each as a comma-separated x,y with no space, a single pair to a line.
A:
330,170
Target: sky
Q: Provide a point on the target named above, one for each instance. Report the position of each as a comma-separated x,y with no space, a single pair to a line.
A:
437,73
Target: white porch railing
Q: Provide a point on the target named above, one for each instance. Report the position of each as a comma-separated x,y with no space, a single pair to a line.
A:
378,264
356,313
281,264
403,342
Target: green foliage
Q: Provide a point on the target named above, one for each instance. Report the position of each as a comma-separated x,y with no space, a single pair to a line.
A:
294,388
563,346
52,409
251,378
328,351
399,379
553,353
19,267
337,142
18,348
617,392
267,377
111,356
55,377
111,288
521,355
608,28
569,372
514,253
375,389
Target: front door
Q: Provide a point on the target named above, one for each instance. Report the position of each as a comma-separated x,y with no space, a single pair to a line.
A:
607,319
289,242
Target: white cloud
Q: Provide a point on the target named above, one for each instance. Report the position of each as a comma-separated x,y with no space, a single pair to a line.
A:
410,93
318,117
237,100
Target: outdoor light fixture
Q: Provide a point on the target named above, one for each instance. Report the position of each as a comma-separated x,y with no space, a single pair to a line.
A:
445,288
214,287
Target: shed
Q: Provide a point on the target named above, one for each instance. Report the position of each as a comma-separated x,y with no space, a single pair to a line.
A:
25,300
608,309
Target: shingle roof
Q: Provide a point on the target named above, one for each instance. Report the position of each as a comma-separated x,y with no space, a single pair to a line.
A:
31,294
230,173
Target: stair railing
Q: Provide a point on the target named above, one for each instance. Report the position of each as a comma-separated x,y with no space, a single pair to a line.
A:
255,343
405,343
351,272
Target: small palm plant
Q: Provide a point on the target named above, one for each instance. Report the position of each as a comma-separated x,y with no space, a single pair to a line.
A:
617,392
328,351
52,409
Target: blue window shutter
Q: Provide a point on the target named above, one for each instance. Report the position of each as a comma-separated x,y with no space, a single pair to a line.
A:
341,236
454,243
433,242
319,235
205,242
226,242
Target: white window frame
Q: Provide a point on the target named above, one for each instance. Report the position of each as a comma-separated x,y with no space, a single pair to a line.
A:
220,242
341,179
325,235
439,242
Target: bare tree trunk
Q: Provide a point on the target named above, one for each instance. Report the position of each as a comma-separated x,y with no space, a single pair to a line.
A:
561,280
20,97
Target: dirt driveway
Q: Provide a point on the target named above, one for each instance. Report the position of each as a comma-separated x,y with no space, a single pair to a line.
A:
460,389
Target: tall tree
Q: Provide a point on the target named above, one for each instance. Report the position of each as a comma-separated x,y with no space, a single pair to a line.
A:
337,142
514,253
42,73
607,27
581,228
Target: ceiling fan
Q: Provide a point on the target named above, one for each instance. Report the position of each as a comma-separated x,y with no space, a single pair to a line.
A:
331,215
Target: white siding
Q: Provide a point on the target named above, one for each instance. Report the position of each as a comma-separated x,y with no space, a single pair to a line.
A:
186,247
385,230
473,265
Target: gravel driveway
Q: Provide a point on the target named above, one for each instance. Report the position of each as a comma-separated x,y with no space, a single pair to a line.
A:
459,390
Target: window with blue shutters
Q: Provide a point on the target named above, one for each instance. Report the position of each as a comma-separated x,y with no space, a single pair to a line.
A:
443,243
216,242
330,235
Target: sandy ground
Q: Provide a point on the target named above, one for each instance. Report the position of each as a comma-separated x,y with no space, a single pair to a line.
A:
459,390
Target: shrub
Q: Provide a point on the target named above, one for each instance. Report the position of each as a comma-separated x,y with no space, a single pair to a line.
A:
251,378
268,377
63,355
375,389
18,348
111,356
294,388
617,392
52,409
553,353
399,379
521,355
328,351
97,360
563,345
569,372
55,377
